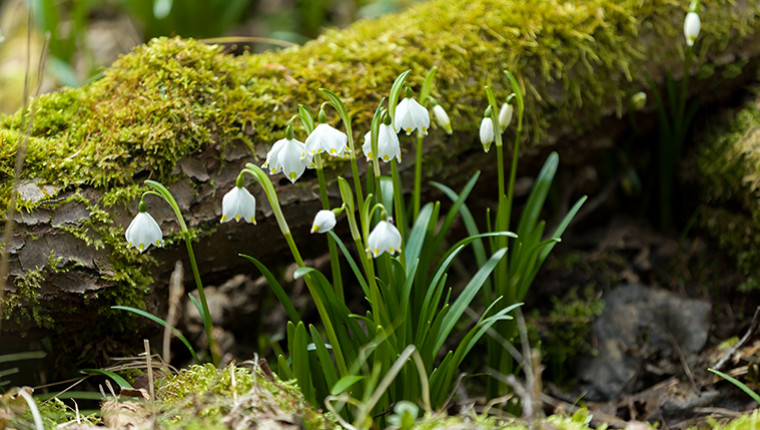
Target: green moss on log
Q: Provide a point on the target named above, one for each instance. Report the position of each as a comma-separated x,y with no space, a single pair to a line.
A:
729,165
173,98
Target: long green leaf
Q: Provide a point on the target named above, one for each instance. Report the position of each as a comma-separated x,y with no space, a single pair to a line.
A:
19,356
116,378
396,88
738,383
537,197
156,319
416,239
282,296
299,357
466,296
351,262
326,363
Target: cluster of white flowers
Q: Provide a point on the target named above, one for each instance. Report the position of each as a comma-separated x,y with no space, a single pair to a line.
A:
487,132
292,157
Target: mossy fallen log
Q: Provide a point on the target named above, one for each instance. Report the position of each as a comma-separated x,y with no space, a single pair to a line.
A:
190,115
728,166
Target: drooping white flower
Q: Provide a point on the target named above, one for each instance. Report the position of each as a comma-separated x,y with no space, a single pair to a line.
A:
486,133
691,27
238,204
326,138
505,116
442,118
285,157
385,237
324,221
143,231
388,145
410,115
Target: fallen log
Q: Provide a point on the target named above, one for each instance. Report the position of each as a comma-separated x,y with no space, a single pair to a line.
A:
190,115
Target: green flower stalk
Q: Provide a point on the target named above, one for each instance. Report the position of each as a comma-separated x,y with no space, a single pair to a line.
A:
141,229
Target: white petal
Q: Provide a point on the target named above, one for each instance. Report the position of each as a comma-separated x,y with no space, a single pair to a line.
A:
238,204
388,145
505,116
385,237
324,221
326,138
270,163
289,160
143,232
486,133
367,146
691,27
410,116
442,118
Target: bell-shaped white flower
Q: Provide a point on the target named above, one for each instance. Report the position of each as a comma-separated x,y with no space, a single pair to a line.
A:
691,27
385,237
143,231
505,116
239,204
486,133
442,118
324,221
388,145
410,115
639,100
326,138
285,157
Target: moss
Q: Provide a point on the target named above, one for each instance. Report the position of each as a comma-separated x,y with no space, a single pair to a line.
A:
173,98
207,393
728,163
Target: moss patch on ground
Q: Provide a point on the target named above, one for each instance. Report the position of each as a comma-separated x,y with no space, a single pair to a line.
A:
174,98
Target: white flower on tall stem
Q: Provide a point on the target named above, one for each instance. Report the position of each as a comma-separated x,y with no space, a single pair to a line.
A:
388,145
442,118
486,130
285,157
410,115
325,138
385,237
143,231
239,204
691,27
324,221
505,116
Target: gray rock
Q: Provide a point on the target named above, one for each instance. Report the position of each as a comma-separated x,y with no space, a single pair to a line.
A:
638,325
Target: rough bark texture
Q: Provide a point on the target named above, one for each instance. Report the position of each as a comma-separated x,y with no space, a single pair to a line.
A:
191,115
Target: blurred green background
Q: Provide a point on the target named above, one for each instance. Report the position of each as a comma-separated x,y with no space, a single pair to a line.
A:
87,35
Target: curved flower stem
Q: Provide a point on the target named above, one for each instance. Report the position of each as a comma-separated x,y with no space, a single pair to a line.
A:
332,246
208,327
274,202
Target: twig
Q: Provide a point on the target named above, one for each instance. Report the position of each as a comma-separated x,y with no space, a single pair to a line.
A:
148,363
684,364
750,331
176,291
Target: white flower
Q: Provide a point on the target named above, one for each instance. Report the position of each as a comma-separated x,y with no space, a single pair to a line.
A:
285,157
143,231
324,221
442,118
639,100
239,203
691,27
326,138
384,238
387,144
486,133
505,116
411,115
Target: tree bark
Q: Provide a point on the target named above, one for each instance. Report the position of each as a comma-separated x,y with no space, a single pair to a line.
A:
201,114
